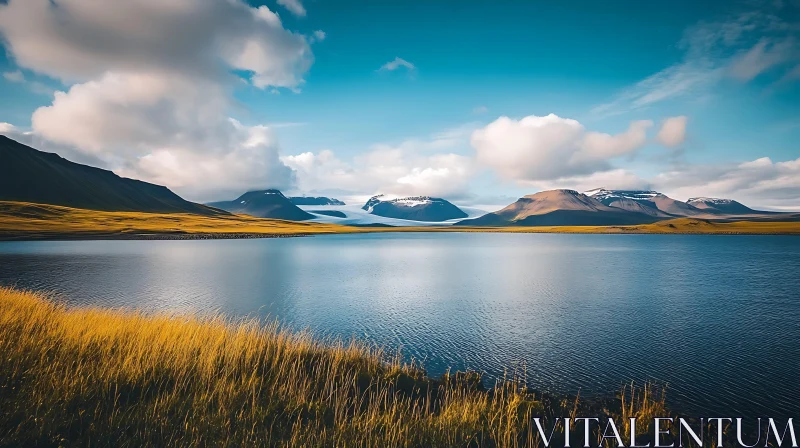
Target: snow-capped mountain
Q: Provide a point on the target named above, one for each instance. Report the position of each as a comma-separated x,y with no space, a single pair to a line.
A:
416,208
561,208
264,204
601,194
719,205
654,203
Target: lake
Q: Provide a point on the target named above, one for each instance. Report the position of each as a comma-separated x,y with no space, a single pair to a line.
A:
716,318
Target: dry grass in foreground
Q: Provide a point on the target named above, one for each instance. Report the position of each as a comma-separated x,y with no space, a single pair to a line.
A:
93,377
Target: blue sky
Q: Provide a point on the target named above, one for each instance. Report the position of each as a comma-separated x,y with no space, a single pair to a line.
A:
318,110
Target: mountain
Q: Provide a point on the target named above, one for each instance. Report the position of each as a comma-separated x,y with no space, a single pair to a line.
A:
666,205
308,200
722,206
30,175
264,204
560,208
416,208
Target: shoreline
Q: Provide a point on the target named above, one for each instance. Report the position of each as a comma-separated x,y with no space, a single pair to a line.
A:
29,222
79,374
146,236
169,236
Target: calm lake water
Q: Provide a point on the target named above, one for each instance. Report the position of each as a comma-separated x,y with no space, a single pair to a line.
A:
717,318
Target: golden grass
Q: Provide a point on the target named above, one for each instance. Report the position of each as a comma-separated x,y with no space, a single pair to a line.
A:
28,219
681,226
32,221
94,377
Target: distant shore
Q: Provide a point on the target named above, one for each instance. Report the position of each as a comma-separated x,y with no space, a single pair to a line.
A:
56,236
27,221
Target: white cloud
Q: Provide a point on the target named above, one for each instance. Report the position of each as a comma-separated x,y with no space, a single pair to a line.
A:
15,76
166,131
154,85
78,40
550,147
757,183
681,79
616,179
673,131
252,162
765,55
411,167
711,53
294,6
319,35
28,137
34,86
397,63
389,171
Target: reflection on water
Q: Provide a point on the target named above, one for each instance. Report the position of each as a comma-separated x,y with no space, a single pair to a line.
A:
715,317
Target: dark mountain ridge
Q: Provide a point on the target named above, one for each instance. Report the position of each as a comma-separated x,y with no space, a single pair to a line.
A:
414,208
264,204
722,206
30,175
310,200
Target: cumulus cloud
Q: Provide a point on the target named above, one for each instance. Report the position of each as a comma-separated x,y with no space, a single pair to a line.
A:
397,63
153,85
252,162
673,131
411,167
616,179
387,171
76,40
29,138
294,6
550,147
757,183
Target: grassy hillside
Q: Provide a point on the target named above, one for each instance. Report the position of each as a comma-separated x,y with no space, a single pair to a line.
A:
31,221
93,377
672,226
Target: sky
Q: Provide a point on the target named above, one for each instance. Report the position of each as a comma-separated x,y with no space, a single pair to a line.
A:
478,102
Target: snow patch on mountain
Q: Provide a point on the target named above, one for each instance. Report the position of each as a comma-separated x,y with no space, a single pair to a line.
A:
711,200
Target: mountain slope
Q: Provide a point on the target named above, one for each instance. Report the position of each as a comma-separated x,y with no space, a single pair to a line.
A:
30,175
666,205
309,200
560,208
264,204
638,207
417,208
722,206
